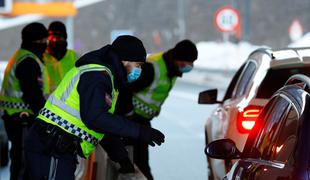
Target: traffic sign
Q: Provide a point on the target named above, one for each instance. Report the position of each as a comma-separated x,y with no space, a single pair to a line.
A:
5,6
295,30
227,19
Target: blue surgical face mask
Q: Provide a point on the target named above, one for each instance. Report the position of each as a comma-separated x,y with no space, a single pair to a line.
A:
186,68
134,74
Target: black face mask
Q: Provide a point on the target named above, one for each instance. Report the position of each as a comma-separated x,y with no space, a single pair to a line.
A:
37,48
57,49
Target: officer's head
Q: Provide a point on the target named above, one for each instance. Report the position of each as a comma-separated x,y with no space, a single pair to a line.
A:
132,53
184,54
34,38
57,39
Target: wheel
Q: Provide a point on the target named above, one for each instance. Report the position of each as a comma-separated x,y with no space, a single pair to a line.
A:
4,154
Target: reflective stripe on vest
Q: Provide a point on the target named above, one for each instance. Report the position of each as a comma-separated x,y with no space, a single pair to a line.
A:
63,109
148,102
14,105
11,94
69,127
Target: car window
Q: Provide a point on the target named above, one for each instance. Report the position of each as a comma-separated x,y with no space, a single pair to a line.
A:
232,83
275,79
286,139
244,79
271,127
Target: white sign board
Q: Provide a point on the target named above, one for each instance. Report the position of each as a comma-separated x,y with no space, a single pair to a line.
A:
295,30
227,19
5,6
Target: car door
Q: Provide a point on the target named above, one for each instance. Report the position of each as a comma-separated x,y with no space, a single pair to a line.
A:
270,154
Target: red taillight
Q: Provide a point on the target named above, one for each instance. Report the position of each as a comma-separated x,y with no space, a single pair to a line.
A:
246,119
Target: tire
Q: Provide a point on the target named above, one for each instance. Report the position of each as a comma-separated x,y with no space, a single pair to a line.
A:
4,154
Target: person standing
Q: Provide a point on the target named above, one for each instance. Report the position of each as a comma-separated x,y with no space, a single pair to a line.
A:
23,92
151,90
57,58
80,111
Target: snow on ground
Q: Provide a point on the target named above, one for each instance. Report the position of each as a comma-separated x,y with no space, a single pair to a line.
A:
230,56
302,42
222,55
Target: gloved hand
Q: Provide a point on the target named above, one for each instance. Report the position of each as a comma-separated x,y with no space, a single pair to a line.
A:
151,136
126,166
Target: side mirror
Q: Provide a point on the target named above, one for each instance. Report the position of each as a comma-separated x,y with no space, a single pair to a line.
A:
222,149
208,97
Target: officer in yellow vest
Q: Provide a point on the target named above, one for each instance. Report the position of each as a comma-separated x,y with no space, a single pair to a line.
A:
23,92
152,88
80,111
57,58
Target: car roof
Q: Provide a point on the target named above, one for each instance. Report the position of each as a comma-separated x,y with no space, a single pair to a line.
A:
281,57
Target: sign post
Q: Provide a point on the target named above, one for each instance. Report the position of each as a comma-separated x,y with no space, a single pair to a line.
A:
227,21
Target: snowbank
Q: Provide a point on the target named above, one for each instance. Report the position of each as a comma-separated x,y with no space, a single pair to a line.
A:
222,55
302,42
229,56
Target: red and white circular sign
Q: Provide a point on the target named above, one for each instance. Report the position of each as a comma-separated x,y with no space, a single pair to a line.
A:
227,19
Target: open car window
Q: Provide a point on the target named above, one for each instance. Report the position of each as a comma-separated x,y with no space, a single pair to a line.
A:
276,78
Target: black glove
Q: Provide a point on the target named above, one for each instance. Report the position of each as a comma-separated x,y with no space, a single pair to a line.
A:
126,166
151,136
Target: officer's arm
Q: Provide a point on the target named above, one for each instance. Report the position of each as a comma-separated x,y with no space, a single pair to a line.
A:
28,73
94,89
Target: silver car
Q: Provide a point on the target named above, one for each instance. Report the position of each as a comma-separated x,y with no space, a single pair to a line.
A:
259,77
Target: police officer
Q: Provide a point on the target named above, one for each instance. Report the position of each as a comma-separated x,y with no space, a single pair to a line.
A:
80,110
153,87
22,95
57,58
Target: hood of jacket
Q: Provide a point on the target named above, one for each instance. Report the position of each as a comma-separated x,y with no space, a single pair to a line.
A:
106,57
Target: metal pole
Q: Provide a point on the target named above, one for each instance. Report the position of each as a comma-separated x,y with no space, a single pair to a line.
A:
181,19
246,22
70,31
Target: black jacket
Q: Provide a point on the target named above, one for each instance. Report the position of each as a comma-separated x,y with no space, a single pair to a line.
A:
28,73
94,87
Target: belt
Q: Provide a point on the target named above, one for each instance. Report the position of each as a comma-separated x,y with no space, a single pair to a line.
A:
77,131
59,140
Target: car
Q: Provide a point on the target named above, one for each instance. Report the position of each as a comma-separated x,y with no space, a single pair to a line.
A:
264,71
278,146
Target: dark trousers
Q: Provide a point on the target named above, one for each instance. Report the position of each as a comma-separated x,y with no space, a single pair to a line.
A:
141,150
42,165
14,128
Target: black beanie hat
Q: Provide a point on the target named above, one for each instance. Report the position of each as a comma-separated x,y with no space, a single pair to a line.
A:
33,31
129,48
57,28
185,51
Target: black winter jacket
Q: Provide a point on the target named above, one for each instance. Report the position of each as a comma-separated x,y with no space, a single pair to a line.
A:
94,87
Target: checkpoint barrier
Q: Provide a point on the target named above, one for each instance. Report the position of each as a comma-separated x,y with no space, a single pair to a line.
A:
100,167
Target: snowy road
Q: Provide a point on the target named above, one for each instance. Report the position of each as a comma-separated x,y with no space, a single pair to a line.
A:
182,120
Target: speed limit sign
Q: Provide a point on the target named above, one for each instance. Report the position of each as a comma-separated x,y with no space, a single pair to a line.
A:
227,19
